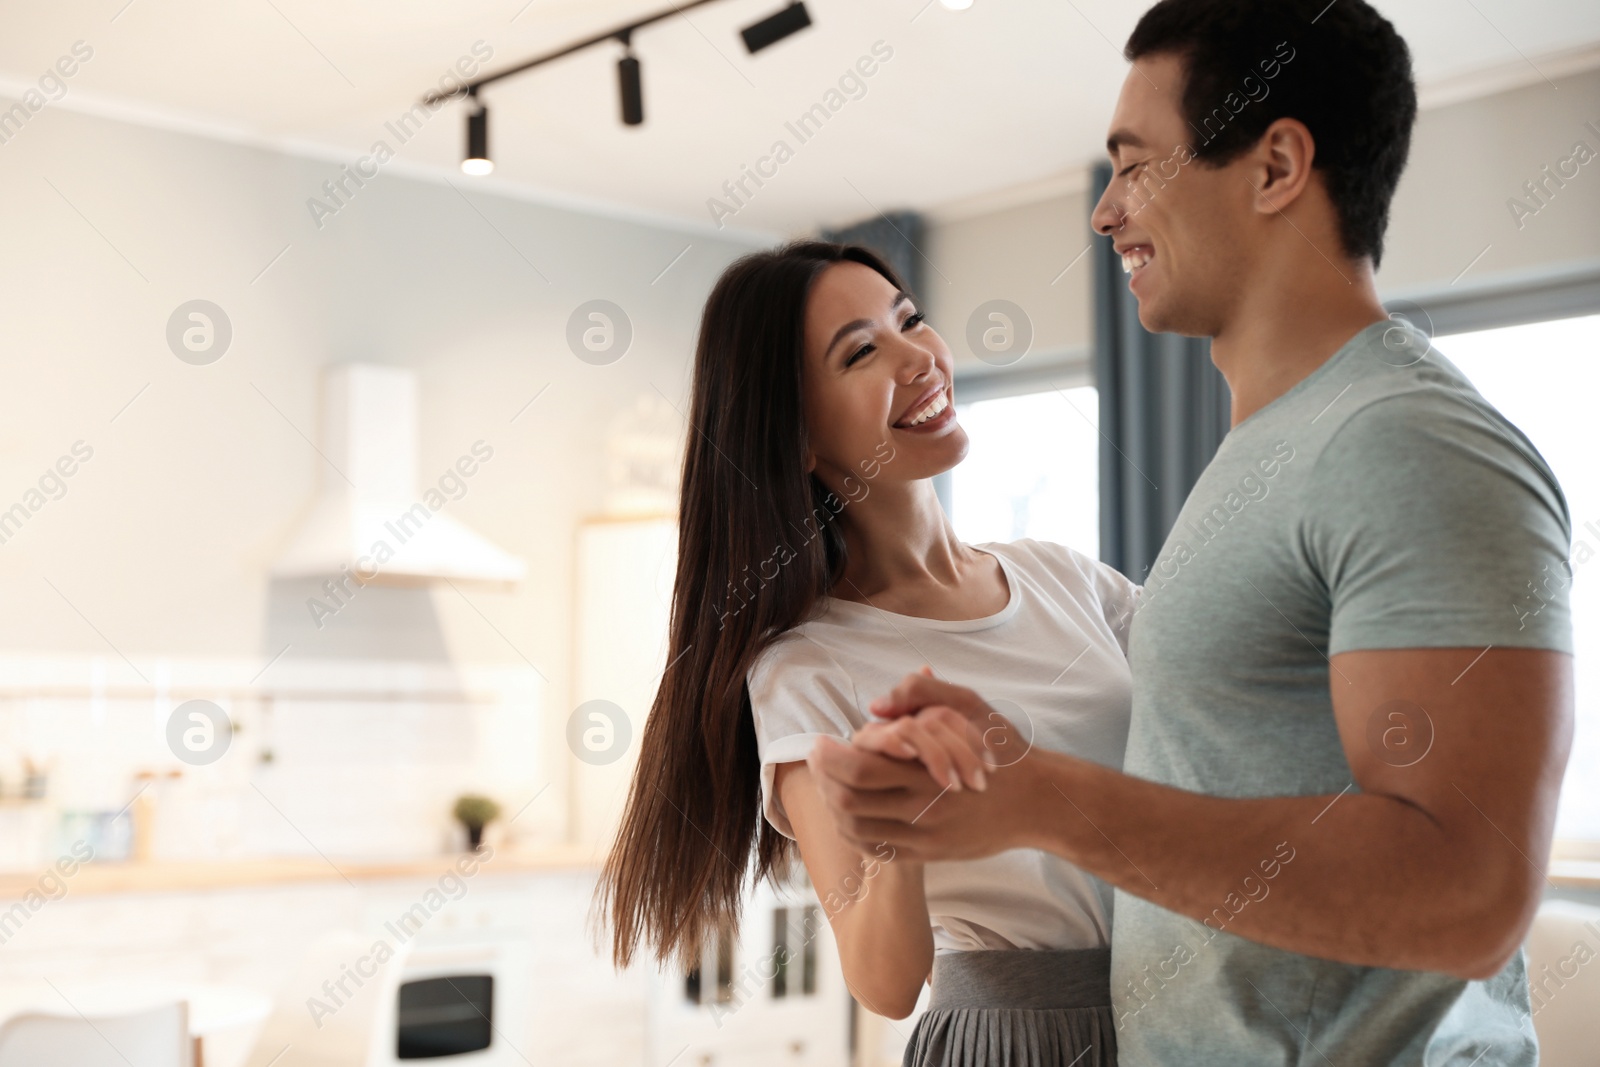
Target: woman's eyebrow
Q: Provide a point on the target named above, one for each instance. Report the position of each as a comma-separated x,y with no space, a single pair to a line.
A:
856,324
847,328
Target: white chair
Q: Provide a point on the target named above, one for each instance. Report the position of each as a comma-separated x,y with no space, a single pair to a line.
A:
315,1023
155,1038
1564,982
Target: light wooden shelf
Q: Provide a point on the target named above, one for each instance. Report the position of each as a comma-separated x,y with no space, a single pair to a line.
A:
176,876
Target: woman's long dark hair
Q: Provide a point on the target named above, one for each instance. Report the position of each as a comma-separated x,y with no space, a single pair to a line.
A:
757,550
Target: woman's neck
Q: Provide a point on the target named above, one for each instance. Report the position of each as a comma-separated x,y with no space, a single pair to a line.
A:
898,539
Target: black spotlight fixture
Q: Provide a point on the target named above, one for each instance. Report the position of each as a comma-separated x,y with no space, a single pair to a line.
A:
476,162
775,28
630,84
768,31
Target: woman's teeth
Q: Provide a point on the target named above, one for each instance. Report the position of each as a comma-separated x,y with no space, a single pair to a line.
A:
940,402
1134,258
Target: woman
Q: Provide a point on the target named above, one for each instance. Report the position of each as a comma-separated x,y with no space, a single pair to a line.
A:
815,569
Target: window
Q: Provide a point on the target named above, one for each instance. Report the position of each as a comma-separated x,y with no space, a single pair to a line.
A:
1541,377
1033,469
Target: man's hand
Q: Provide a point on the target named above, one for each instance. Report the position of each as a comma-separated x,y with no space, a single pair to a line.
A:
880,799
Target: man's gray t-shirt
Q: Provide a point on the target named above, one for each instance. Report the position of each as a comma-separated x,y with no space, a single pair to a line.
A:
1379,503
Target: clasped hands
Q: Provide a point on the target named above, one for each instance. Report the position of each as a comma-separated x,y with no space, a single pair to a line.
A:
942,778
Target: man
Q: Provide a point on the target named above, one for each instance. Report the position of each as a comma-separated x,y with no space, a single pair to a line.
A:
1352,698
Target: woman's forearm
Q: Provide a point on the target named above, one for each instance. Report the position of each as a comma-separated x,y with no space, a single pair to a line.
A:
874,901
885,937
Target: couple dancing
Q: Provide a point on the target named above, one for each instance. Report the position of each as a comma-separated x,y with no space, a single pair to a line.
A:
1288,802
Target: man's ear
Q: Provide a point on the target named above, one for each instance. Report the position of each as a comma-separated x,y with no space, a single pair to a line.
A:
1280,166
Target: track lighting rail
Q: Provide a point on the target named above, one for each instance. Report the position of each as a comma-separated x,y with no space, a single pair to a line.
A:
620,33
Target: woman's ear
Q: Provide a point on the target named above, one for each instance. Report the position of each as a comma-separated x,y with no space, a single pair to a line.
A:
811,462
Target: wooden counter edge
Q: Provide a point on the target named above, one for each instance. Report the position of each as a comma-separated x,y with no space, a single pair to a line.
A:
200,875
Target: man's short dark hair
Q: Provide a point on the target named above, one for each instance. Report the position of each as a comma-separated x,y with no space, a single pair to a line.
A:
1348,78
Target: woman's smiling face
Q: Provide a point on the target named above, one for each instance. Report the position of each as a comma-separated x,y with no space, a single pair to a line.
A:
874,375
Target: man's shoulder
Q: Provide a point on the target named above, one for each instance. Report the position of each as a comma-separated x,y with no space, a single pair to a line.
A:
1403,382
1399,402
1429,427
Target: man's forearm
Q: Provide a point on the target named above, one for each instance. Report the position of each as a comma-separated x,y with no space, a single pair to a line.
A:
1361,878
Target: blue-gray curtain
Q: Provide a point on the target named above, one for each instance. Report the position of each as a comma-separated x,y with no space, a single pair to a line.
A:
1163,412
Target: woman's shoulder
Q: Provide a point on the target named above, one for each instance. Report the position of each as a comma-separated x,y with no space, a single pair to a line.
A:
805,645
1051,556
796,685
1070,568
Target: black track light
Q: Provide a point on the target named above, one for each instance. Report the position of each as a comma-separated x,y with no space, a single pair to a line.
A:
768,31
631,86
477,161
775,28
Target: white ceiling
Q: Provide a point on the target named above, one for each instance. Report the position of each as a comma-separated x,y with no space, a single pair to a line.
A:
1000,95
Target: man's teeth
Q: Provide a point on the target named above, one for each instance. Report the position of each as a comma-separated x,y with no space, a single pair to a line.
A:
1135,258
940,402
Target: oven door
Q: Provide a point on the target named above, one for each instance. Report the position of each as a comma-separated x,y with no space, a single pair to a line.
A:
446,1016
461,1004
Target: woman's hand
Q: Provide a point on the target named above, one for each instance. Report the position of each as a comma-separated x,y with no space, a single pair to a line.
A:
940,737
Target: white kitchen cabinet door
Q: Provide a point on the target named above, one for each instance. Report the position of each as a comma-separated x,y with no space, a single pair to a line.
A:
623,601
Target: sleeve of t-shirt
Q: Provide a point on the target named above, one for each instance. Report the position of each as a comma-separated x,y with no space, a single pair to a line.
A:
1119,598
1116,596
1434,524
798,693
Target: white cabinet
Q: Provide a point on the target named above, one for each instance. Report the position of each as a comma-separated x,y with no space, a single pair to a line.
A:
775,996
625,574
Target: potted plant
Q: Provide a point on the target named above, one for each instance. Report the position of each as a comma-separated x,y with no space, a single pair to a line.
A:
475,812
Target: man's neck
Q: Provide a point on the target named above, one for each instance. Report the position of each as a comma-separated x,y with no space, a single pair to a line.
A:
1285,330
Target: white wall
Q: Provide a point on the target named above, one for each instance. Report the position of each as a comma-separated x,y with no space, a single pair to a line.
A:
1027,253
161,544
1467,160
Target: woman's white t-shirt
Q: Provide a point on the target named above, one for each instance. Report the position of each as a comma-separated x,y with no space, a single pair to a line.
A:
1054,659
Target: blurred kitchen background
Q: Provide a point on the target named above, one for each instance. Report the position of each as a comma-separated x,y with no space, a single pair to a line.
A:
258,320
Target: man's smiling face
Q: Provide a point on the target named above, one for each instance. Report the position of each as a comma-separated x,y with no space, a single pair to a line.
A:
1182,226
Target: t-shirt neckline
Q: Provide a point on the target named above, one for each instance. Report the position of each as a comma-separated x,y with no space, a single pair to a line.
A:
1013,602
1320,371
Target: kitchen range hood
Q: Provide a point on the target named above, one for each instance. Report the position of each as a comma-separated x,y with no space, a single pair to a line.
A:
370,504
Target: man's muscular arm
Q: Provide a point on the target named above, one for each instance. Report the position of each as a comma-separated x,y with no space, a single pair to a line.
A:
1436,865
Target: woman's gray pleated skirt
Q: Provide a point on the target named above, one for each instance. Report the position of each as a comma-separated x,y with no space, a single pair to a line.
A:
1018,1008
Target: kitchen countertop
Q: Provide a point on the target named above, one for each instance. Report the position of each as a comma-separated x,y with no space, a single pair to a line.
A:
1575,874
184,876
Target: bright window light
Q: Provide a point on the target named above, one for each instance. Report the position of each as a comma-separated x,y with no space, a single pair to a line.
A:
1543,378
1033,470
